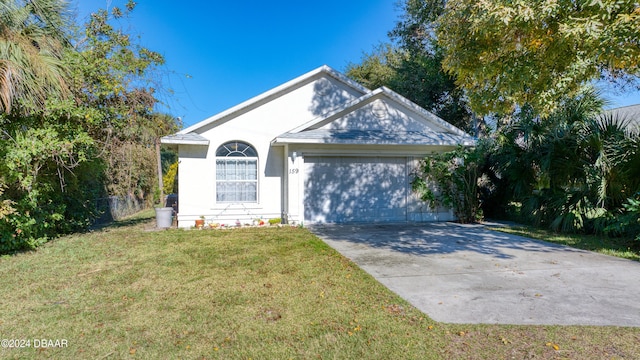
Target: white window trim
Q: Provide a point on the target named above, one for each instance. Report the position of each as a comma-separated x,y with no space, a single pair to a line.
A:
256,181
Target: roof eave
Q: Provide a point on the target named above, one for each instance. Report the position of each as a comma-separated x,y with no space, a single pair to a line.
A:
280,141
185,142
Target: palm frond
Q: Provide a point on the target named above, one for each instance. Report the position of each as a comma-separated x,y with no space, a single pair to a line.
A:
31,69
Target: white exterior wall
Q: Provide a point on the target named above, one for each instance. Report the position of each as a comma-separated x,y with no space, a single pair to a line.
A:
194,191
258,127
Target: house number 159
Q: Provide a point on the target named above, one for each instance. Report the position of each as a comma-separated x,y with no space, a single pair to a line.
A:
293,171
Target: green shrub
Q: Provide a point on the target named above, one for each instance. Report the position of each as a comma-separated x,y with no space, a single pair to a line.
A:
455,176
170,179
628,223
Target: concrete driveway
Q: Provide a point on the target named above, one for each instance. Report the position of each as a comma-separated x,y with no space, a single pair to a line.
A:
467,274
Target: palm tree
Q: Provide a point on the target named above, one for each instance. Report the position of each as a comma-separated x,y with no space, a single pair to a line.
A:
570,171
616,158
32,38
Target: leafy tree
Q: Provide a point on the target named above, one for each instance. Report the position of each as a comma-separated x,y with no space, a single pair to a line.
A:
41,150
113,81
377,68
44,168
77,140
412,67
510,53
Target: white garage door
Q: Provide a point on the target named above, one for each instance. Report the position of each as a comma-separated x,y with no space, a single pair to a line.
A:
355,189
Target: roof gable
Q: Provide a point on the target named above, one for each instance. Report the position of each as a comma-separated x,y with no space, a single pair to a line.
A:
381,109
379,117
274,93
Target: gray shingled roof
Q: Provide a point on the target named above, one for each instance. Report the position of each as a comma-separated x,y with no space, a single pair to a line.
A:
629,114
185,139
374,137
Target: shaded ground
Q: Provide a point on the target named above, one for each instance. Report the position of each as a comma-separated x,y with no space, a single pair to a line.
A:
468,274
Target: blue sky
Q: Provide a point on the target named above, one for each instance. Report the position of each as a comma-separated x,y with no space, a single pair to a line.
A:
221,53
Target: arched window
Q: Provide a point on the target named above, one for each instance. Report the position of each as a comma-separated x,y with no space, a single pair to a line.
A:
236,173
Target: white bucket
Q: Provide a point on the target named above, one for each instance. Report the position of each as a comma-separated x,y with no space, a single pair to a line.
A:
164,217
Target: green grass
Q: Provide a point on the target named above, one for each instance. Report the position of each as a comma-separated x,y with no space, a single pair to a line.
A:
124,292
626,248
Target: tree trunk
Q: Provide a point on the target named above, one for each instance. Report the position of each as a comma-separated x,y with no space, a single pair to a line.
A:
160,184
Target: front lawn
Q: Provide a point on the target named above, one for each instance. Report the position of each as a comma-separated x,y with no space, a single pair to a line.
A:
267,293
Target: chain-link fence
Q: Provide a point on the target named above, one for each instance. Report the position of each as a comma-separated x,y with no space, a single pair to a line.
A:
116,208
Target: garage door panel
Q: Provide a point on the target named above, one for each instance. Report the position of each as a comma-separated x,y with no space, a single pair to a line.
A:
355,189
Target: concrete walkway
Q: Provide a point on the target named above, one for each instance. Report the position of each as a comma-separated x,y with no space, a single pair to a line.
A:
467,274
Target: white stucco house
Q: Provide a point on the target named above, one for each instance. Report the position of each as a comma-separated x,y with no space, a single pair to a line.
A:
318,149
